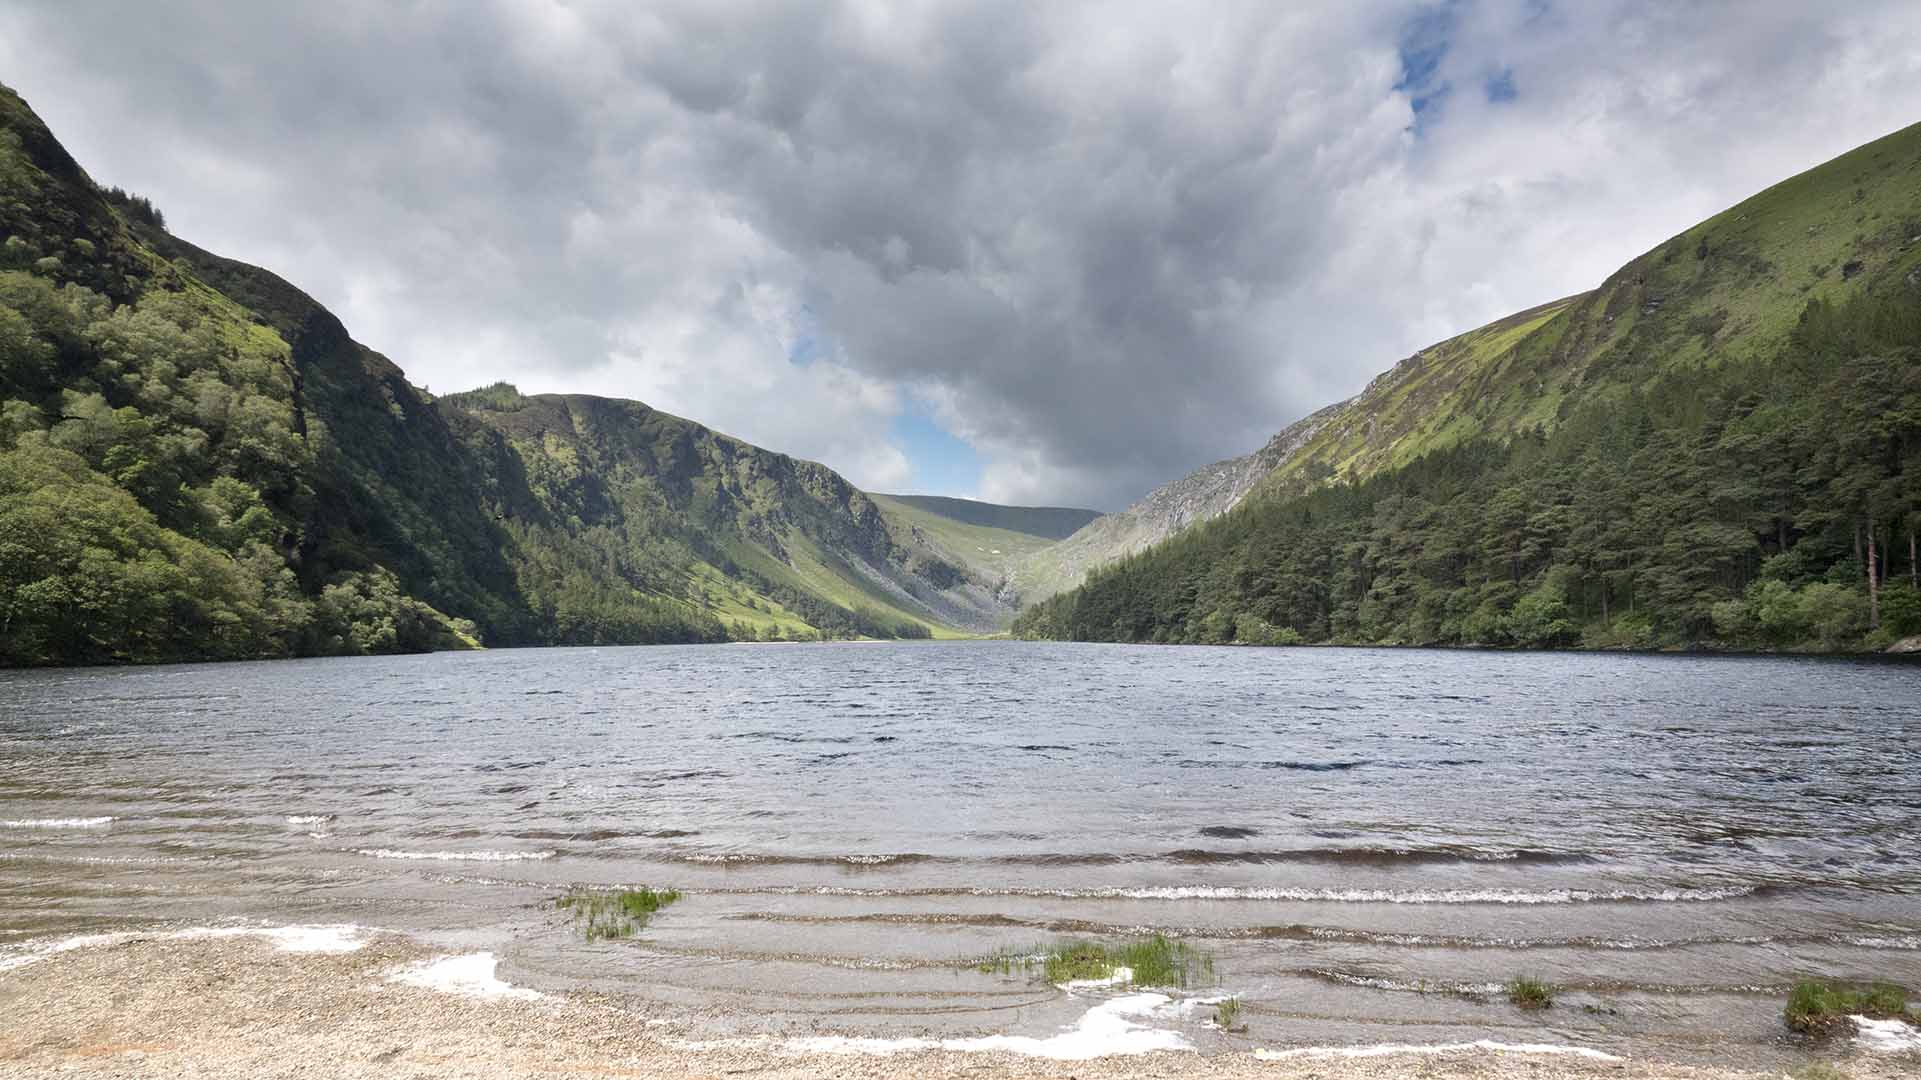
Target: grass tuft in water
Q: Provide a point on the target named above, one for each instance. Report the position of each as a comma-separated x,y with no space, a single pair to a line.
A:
1823,1008
1527,992
602,914
1152,961
1227,1015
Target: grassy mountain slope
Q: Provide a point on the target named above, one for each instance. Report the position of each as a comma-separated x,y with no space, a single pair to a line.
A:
1713,447
197,461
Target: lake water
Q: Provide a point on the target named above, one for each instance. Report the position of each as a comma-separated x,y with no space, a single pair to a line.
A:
1369,842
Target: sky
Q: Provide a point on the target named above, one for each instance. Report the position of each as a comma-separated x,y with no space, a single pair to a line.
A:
1038,253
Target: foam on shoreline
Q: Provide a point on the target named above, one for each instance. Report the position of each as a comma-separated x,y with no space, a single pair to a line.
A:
1113,1028
469,975
331,939
1397,1049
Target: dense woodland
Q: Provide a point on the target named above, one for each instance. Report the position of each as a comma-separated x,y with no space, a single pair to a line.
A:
1766,504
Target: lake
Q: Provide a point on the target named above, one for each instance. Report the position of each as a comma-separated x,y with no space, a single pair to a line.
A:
1368,842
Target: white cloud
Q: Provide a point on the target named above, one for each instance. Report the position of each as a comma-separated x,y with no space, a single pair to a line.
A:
1108,242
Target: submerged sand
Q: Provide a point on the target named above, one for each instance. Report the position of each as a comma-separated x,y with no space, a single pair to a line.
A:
281,1004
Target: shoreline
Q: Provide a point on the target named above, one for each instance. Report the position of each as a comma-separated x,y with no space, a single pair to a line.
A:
345,1002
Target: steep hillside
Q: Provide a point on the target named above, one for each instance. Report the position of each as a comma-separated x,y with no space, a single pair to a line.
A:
1206,493
1717,443
757,538
197,461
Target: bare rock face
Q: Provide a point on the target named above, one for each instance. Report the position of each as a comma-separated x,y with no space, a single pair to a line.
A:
1205,493
1907,645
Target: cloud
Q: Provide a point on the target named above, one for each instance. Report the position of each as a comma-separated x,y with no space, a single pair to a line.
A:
1101,243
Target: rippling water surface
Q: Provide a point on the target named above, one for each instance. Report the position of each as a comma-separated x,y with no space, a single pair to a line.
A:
1369,841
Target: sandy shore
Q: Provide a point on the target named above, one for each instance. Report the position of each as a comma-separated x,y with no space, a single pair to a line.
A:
246,1006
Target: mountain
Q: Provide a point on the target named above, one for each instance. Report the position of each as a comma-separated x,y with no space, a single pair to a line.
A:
1720,446
992,542
197,461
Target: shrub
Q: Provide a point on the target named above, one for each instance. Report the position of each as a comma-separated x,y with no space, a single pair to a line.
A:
1822,1008
1527,992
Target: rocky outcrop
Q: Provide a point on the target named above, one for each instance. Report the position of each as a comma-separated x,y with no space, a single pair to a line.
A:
1205,493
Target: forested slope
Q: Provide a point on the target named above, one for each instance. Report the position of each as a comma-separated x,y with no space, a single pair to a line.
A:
1720,446
198,462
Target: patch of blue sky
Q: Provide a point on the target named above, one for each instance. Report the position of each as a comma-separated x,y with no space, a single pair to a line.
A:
942,463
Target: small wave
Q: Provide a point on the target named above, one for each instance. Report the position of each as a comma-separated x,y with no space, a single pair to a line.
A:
1299,932
744,858
1398,1049
309,819
1382,982
1335,896
454,856
1290,766
1871,941
58,823
1384,856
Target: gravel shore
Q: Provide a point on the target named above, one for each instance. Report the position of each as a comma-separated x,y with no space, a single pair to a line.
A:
244,1006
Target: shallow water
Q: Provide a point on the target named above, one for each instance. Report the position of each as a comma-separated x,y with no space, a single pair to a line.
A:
1370,841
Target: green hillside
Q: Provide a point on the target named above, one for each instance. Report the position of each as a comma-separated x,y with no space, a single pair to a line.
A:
198,462
1712,448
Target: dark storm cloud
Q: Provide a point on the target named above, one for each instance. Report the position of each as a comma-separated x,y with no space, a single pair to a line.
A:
1105,243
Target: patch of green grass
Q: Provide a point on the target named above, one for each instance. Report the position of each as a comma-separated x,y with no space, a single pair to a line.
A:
1152,961
1227,1014
1818,1070
1822,1008
604,914
1527,992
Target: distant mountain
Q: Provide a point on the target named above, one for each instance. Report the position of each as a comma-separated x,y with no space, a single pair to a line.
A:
197,461
1047,522
1720,444
991,542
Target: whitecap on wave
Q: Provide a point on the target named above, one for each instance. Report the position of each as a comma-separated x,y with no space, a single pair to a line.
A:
454,856
1399,1049
58,823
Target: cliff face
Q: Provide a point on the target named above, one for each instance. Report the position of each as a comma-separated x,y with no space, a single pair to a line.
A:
1205,493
